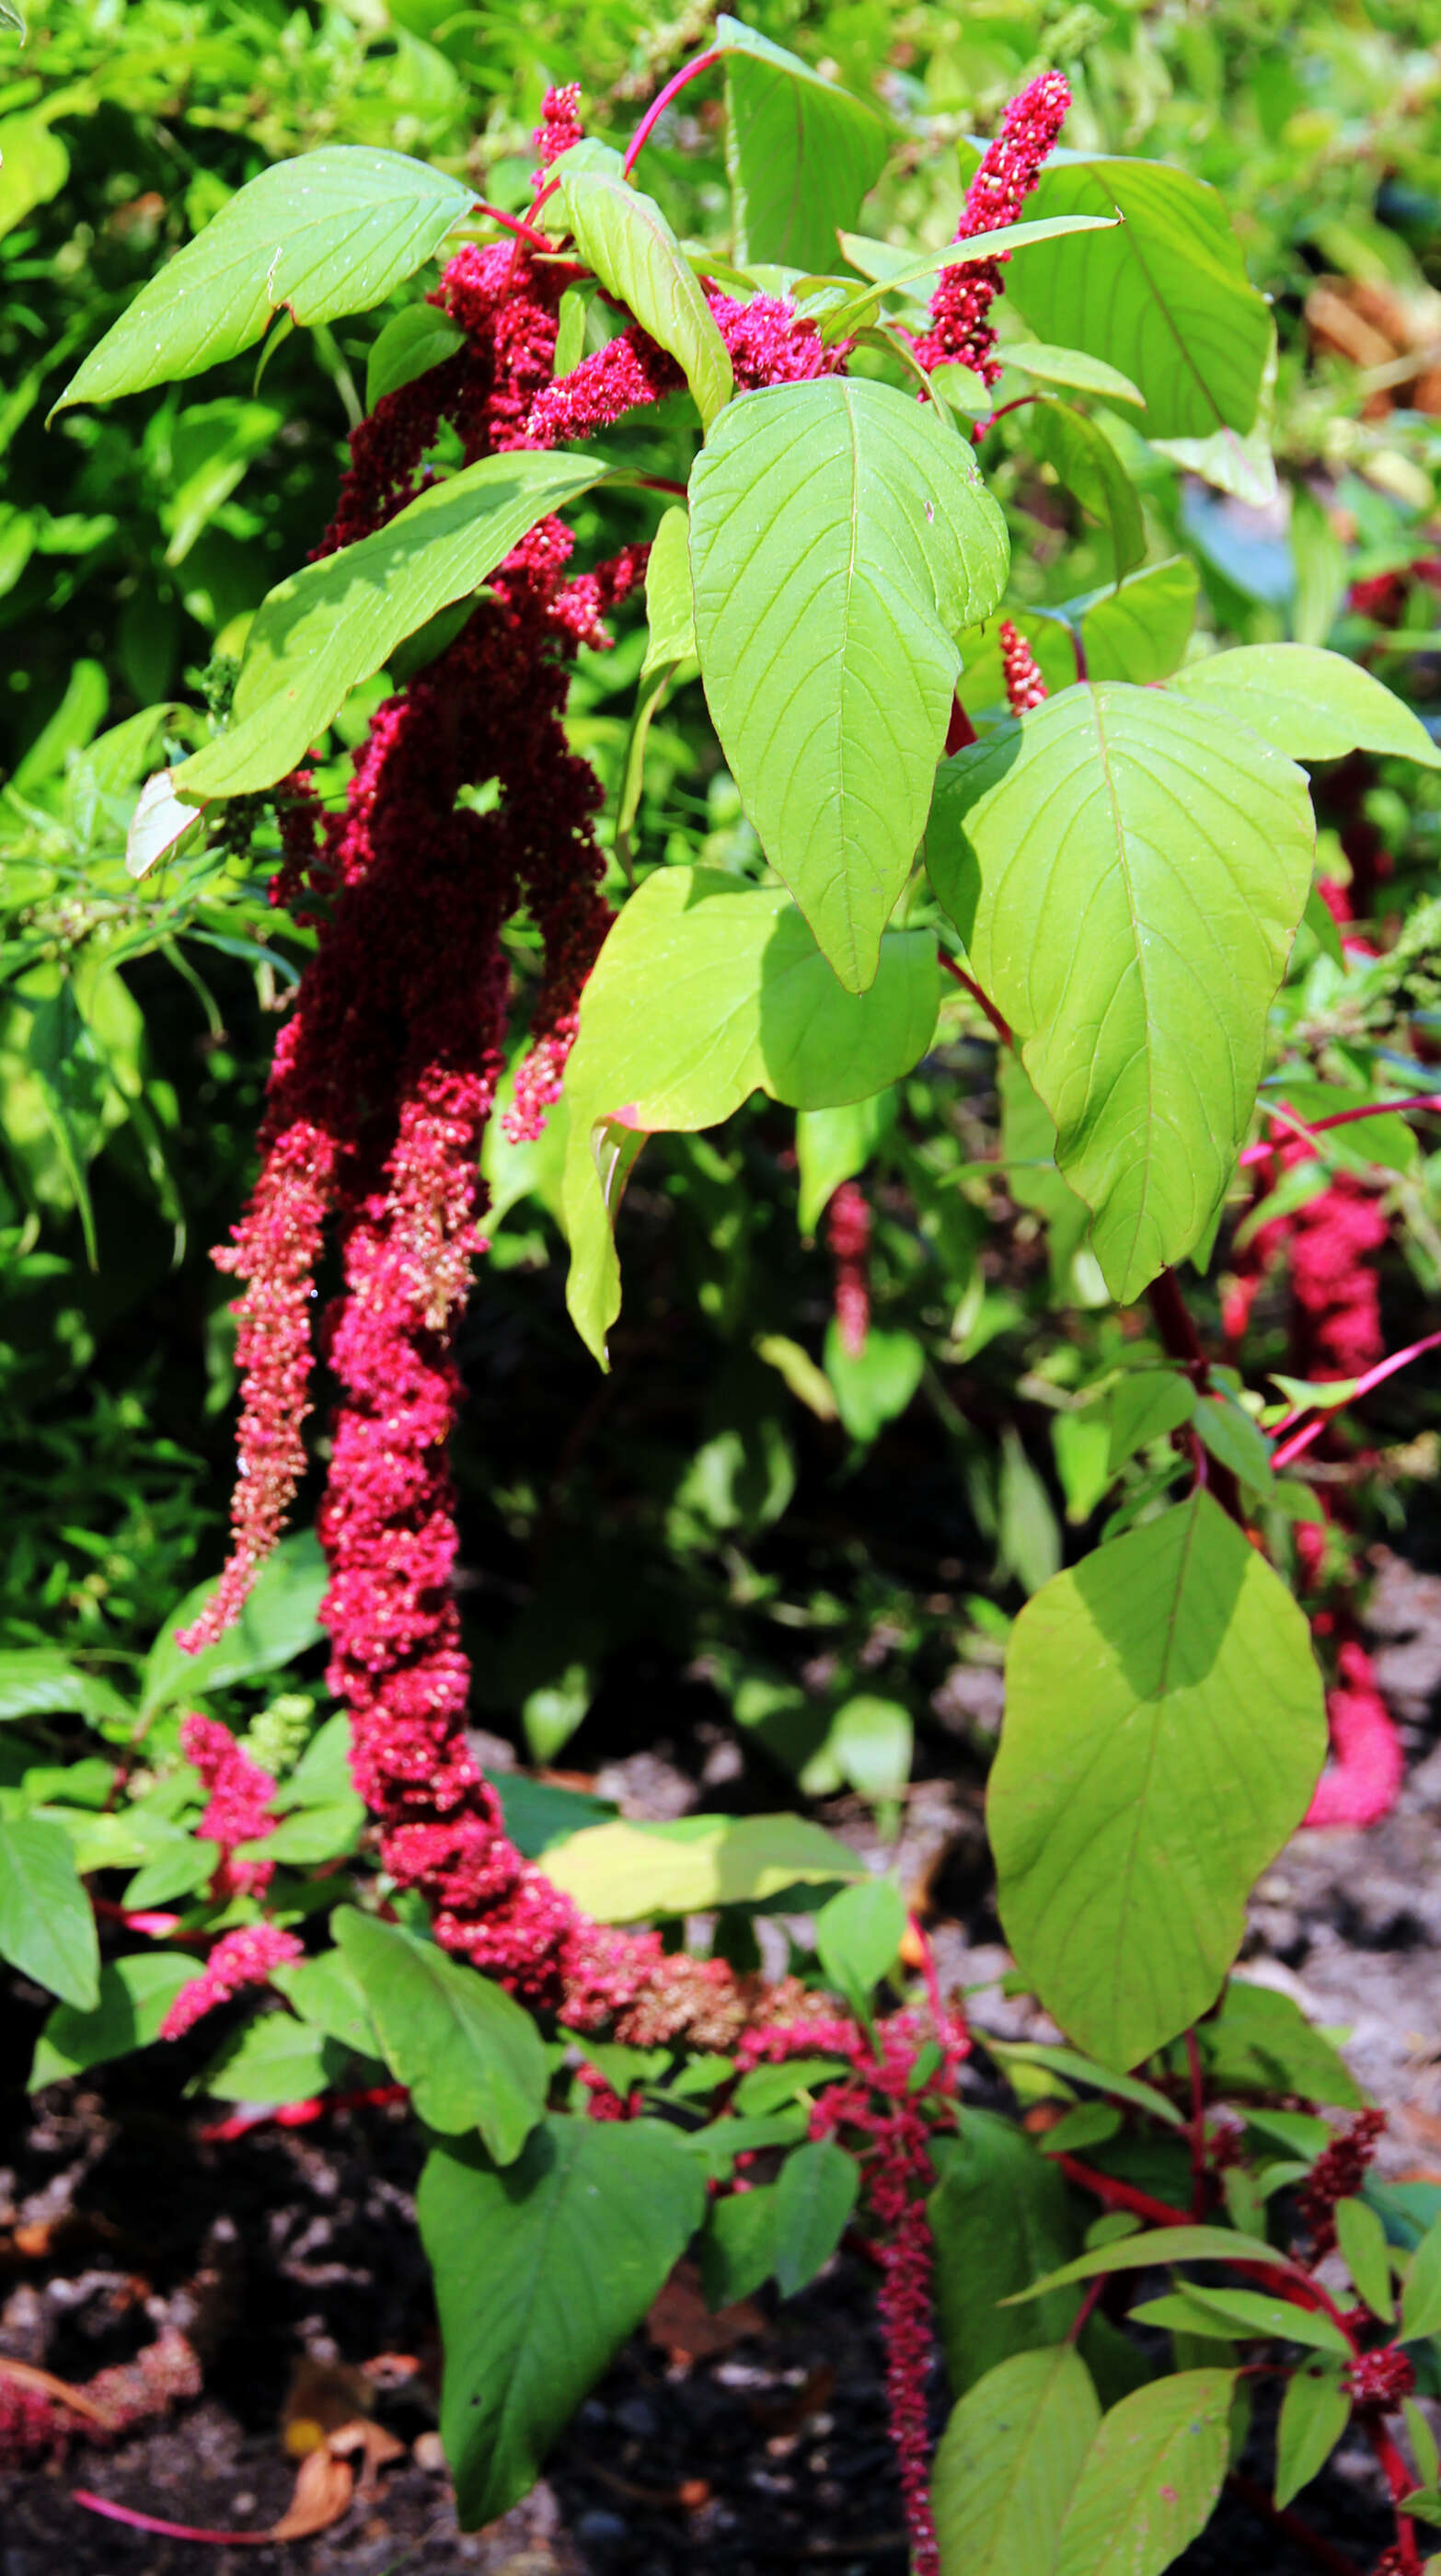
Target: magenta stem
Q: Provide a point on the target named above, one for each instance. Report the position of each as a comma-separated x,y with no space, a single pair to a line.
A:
167,2530
659,104
512,224
1338,1118
1293,1447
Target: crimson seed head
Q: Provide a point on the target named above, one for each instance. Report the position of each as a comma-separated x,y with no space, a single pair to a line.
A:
1338,2173
1381,2378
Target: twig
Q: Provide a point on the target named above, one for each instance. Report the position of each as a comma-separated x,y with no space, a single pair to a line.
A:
1300,1440
662,100
959,975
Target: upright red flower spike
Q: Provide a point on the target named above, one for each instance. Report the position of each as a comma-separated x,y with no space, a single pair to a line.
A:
848,1233
960,331
239,1959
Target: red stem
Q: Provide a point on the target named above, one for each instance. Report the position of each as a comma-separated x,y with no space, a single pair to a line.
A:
1181,1341
1300,1440
1338,1118
959,974
1298,2287
513,224
1400,2481
134,2521
659,104
960,730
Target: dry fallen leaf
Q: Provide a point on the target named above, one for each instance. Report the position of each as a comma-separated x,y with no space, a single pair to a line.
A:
59,2391
323,2489
682,2326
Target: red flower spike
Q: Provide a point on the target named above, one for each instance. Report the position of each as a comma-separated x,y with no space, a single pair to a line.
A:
960,333
1336,2174
243,1958
1025,687
848,1234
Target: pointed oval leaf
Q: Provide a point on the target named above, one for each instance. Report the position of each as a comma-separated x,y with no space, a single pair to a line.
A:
1073,367
1128,887
622,234
1224,2314
1008,2463
703,993
840,539
800,153
473,2059
861,308
1150,2478
819,2187
1139,631
1165,1727
1083,459
858,1937
1309,703
1152,2250
412,342
541,2271
1315,2412
47,1928
132,1999
978,2265
1164,297
620,1872
337,622
329,233
1421,2290
277,1623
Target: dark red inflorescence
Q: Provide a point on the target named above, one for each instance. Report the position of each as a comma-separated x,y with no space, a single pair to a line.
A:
960,332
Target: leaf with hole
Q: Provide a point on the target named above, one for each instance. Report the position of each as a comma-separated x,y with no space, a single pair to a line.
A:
840,540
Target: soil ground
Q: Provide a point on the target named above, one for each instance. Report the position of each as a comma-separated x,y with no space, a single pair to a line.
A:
289,2250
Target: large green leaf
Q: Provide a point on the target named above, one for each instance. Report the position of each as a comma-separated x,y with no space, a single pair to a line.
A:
704,992
1127,871
1151,2477
40,1681
47,1929
473,2059
994,2165
132,1999
800,153
337,622
1312,704
1139,631
1164,297
277,1623
541,2271
818,2189
840,539
1083,459
1008,2462
1165,1727
620,1872
622,234
329,233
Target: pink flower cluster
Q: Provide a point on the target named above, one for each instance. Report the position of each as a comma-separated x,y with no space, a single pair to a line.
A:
1329,1248
1363,1781
1025,687
239,1802
1381,2379
960,332
128,2394
848,1236
1338,2174
239,1959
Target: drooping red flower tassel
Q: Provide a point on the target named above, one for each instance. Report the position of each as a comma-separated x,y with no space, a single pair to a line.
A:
848,1234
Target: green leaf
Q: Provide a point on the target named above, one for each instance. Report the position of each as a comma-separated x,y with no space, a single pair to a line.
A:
275,2058
671,641
1029,1534
179,1868
1232,1437
134,1996
1008,2462
1128,888
1073,367
1150,2478
1165,1727
1082,458
34,165
840,539
994,2166
738,2249
326,1991
1315,2412
327,234
703,993
858,1936
871,1741
1227,2313
1139,631
1144,1407
621,1872
800,153
873,1386
38,1681
1261,2041
541,2271
47,1929
336,622
1311,704
622,234
1423,2443
1421,2289
765,2087
322,1831
472,2057
1153,2247
818,2189
412,342
832,1145
859,310
1076,2069
1164,297
1364,2251
277,1623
